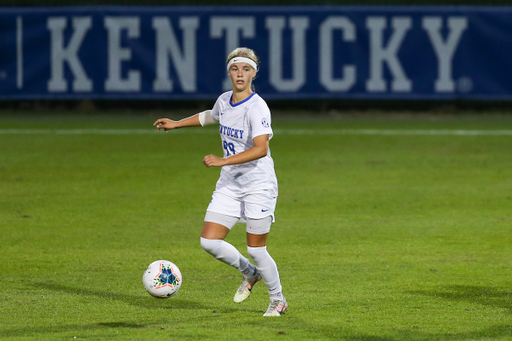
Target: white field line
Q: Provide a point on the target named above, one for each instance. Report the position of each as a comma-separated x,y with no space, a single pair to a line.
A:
395,132
392,132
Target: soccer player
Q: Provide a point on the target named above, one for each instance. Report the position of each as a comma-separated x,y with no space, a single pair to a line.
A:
247,187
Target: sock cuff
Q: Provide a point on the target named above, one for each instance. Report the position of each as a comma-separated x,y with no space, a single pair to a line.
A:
215,241
256,249
210,245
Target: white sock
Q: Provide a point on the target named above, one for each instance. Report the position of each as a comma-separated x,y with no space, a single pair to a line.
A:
268,269
227,253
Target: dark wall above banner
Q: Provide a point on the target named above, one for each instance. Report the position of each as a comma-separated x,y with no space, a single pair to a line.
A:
305,52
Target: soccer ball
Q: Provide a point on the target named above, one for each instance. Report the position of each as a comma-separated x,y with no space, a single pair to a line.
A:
162,279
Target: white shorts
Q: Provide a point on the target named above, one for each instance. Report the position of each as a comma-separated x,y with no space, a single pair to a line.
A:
253,206
253,226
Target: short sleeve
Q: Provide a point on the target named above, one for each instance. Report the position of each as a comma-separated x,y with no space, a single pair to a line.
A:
216,109
259,117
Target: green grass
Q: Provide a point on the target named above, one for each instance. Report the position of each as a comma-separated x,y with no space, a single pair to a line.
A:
380,235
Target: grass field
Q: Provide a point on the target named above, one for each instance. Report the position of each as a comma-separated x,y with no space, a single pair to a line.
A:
392,227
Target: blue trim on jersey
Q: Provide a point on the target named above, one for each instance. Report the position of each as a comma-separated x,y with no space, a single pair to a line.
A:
245,100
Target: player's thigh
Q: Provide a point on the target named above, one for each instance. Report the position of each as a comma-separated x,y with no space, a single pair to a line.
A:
214,231
217,225
257,240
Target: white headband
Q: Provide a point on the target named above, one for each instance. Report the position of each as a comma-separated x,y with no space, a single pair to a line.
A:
243,60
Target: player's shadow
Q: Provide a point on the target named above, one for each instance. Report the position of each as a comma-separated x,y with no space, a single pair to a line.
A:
143,301
488,296
121,325
72,329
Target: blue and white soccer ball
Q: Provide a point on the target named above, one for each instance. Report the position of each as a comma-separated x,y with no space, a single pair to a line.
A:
162,279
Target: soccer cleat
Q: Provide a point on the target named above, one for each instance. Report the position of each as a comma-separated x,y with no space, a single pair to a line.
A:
276,307
245,289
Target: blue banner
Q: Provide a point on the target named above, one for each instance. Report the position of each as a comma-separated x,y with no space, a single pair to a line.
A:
333,52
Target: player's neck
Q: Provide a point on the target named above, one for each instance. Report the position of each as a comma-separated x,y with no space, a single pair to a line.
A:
238,97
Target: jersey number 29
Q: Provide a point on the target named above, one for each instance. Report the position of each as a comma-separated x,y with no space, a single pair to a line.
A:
229,147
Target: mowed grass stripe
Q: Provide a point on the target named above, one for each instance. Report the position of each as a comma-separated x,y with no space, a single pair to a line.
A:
392,132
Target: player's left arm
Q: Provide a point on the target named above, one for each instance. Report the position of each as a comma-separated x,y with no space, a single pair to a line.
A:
259,150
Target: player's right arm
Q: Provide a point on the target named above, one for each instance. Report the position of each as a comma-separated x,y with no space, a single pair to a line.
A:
200,119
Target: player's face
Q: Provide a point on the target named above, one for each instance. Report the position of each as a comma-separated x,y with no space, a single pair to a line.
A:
241,75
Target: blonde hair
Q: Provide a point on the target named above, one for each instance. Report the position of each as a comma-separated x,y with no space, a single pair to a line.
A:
243,52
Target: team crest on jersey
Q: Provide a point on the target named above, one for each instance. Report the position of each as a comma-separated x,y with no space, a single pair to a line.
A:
264,122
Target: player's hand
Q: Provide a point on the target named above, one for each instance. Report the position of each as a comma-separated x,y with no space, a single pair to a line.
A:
165,124
213,161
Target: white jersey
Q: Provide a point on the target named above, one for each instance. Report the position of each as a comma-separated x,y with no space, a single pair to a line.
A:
239,124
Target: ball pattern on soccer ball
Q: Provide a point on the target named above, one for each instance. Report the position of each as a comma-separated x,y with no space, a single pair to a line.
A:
162,279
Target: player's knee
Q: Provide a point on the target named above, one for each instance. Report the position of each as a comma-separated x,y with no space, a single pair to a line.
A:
257,253
211,245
